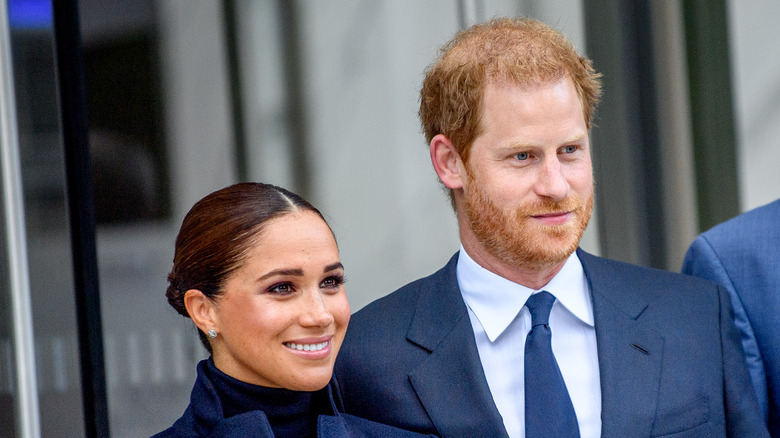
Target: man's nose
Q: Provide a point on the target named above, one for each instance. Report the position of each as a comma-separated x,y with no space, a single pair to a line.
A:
551,181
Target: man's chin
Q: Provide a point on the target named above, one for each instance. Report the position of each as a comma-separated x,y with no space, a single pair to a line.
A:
553,250
549,258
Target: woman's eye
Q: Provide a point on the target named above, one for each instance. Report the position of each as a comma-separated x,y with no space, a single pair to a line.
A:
522,156
281,289
332,282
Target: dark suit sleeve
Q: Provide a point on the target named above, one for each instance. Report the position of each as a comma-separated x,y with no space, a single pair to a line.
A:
743,416
702,261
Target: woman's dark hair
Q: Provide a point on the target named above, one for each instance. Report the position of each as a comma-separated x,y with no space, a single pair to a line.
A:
216,234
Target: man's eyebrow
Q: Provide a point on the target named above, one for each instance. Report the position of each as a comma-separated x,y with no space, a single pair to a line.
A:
576,137
525,145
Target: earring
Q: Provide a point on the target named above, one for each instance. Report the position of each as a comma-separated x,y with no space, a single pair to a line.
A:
212,333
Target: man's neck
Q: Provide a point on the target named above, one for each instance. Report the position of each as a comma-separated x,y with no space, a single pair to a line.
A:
531,277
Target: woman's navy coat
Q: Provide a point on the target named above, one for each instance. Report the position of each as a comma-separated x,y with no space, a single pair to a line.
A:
204,418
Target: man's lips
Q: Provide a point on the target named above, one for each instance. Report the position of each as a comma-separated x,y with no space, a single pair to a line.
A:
553,218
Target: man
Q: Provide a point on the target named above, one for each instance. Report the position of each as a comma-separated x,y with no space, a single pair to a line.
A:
743,254
635,352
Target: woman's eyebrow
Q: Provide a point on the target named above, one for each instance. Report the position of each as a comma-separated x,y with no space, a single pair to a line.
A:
296,272
332,267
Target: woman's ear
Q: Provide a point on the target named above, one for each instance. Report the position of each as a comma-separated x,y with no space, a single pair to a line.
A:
201,310
446,162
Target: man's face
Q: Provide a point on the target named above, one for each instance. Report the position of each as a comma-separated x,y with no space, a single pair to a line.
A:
528,190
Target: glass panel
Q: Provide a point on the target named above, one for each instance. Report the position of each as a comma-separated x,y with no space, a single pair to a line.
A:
150,351
48,237
7,369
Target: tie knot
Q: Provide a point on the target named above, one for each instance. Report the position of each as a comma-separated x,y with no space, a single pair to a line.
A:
540,305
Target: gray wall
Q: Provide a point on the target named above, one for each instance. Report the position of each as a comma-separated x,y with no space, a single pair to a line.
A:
755,67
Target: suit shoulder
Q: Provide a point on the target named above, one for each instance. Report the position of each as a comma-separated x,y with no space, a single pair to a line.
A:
400,304
605,273
742,230
625,269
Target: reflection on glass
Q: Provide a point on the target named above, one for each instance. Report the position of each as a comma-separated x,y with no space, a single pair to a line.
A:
48,239
150,352
7,417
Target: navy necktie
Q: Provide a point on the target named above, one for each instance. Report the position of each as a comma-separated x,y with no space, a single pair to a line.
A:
548,408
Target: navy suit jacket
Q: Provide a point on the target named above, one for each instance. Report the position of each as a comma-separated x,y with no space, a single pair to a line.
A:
743,255
669,357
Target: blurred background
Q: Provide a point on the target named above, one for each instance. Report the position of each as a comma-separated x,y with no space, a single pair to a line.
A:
117,116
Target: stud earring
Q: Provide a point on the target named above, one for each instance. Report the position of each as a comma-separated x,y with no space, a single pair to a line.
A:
212,333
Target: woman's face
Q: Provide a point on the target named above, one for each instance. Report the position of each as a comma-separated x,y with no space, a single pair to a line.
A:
282,315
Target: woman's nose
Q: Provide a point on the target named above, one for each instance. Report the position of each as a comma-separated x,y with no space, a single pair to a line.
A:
315,313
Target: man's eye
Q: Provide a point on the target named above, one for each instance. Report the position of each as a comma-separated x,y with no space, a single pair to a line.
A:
522,156
569,149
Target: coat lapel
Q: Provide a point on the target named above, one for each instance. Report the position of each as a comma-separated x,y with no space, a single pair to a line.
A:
450,383
630,350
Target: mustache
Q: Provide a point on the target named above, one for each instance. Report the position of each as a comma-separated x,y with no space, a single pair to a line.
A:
548,206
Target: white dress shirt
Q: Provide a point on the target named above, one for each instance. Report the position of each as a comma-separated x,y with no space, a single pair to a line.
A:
501,323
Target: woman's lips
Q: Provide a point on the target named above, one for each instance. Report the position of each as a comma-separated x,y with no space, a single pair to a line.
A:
313,348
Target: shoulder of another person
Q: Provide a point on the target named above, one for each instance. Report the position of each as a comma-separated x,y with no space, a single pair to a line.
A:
741,229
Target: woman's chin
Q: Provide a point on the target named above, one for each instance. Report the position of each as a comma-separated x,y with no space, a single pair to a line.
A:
311,381
310,387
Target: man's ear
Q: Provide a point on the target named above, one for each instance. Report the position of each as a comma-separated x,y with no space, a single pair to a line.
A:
201,310
446,162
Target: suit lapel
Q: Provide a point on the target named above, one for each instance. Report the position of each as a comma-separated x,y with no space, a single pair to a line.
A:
630,350
450,383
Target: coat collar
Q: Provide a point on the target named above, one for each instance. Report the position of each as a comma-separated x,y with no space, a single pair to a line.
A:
205,416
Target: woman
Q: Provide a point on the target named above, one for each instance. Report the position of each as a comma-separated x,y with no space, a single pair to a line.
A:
257,270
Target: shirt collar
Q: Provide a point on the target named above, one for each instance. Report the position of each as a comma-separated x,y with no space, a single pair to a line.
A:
496,301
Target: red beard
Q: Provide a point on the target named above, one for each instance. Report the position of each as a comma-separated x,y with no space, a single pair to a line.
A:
512,236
